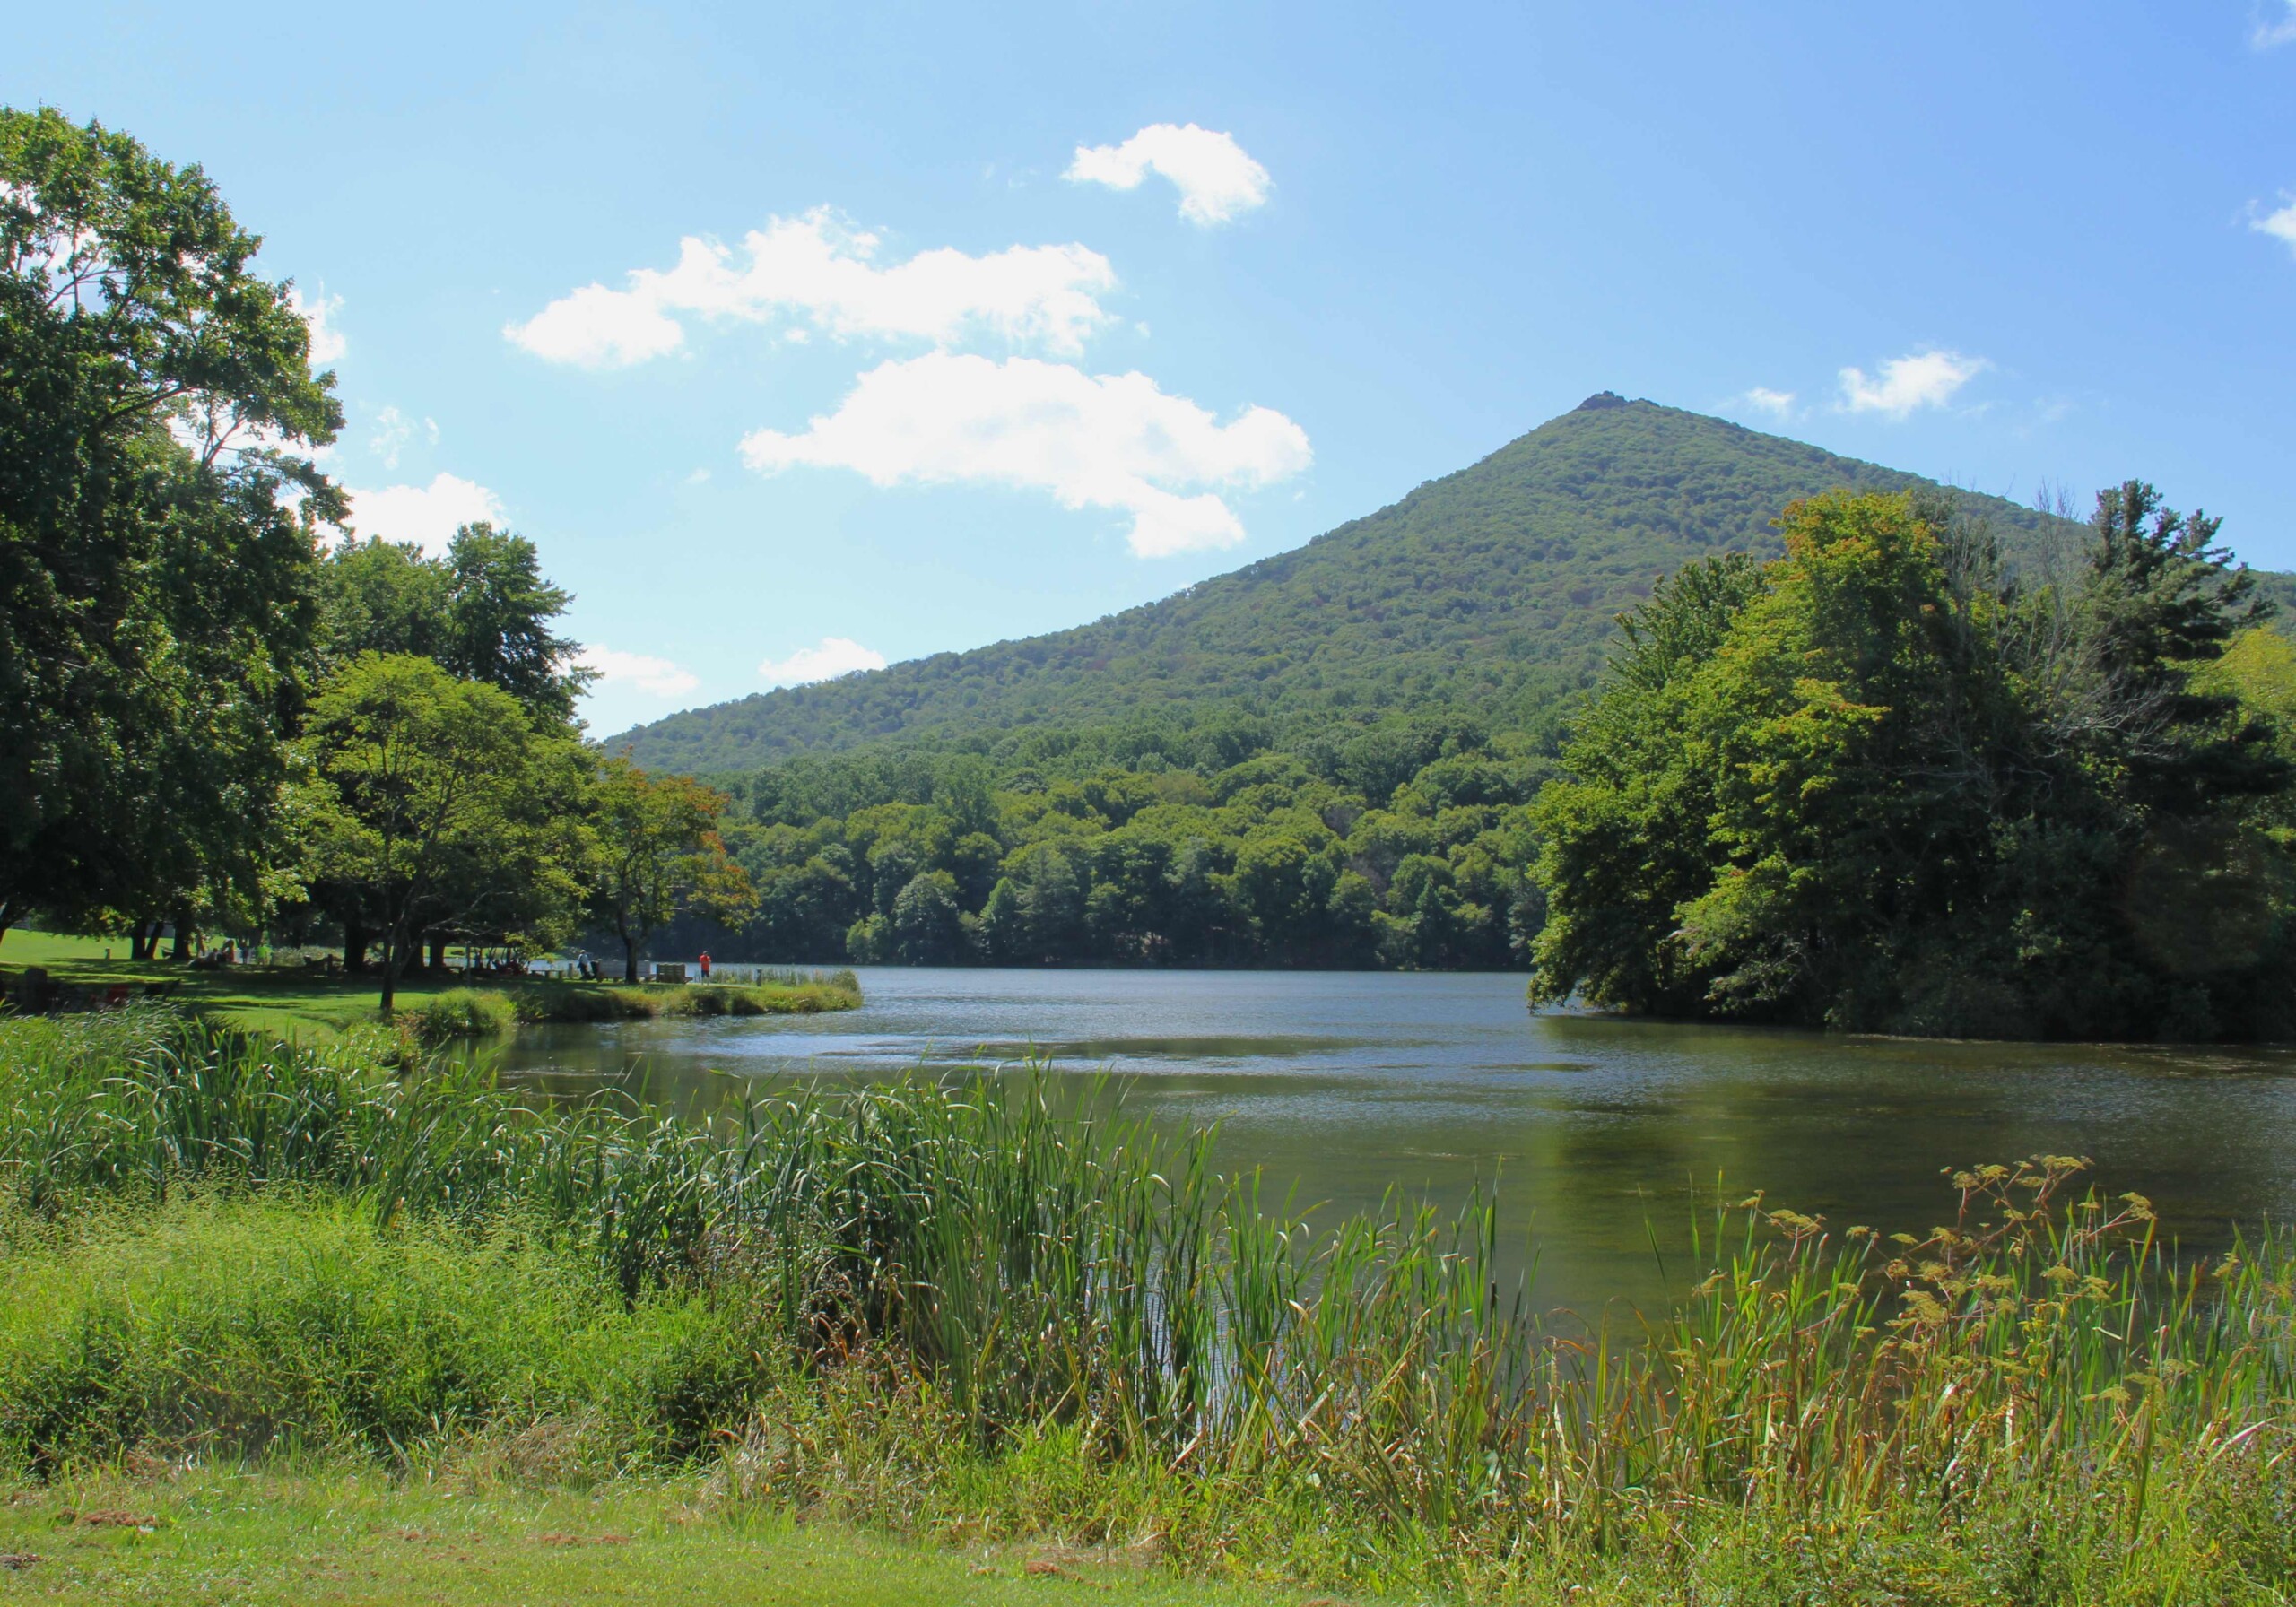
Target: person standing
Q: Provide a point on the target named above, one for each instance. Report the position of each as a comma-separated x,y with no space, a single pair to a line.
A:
705,965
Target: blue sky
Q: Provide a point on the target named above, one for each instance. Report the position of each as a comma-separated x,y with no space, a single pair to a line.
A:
931,375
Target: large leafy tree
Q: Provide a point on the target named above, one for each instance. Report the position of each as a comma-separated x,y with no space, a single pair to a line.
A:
438,803
482,611
1625,843
660,855
155,533
1880,783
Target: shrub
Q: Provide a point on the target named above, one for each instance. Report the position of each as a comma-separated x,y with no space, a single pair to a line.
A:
788,994
292,1320
463,1013
584,1002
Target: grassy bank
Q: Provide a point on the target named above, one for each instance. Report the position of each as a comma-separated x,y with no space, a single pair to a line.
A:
293,1001
333,1537
969,1317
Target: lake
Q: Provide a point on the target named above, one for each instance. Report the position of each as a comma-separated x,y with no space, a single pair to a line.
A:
1597,1132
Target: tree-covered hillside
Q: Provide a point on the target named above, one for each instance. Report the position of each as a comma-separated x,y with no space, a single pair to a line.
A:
1489,592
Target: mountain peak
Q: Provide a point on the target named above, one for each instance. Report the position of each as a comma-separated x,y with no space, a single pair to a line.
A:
1492,590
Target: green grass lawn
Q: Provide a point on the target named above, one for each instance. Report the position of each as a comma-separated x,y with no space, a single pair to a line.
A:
249,1539
283,1001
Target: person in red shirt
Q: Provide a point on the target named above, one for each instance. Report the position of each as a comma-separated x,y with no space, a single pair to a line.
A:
705,965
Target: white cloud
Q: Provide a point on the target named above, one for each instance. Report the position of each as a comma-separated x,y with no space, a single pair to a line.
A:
819,272
1778,404
317,313
427,515
393,430
657,676
1216,179
837,655
2281,224
1923,379
1113,441
2269,33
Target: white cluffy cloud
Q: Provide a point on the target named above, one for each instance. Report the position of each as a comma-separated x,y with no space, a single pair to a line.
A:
1923,379
1111,441
657,676
426,515
317,313
819,272
393,430
2281,224
1216,179
2275,31
1778,404
837,655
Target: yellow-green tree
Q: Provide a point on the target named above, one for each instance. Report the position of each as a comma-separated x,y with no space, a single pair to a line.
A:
660,854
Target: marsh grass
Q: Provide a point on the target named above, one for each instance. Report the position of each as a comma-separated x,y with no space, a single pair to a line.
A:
462,1012
285,1323
780,992
978,1310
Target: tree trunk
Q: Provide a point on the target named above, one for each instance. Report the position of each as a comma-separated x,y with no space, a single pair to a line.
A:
144,940
392,948
183,938
438,953
354,947
629,948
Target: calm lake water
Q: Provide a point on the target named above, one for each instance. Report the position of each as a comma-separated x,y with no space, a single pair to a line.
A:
1597,1133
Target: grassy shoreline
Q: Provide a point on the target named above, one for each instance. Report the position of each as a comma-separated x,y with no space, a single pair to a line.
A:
340,1535
967,1316
290,1001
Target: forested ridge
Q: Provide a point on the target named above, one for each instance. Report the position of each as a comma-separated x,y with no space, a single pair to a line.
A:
1337,757
1489,592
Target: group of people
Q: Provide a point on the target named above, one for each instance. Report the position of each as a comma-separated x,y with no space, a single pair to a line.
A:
493,963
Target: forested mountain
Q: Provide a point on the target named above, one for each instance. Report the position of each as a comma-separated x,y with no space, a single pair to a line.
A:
1489,592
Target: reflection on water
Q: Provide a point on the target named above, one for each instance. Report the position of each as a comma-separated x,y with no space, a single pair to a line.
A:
1597,1131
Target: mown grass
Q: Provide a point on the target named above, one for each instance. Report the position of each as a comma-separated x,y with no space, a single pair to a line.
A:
304,1003
332,1536
976,1316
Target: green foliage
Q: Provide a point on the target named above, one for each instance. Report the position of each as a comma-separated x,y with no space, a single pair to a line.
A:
936,1306
1325,758
946,859
463,1013
293,1323
785,993
482,612
1878,785
438,803
155,585
660,854
1489,594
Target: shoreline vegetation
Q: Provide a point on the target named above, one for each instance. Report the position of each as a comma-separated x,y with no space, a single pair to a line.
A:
304,1001
968,1317
504,1007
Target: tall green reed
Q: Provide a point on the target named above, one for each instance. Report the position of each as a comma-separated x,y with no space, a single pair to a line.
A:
1049,1265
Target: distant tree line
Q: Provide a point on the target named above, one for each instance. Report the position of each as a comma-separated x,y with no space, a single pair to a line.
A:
1407,844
